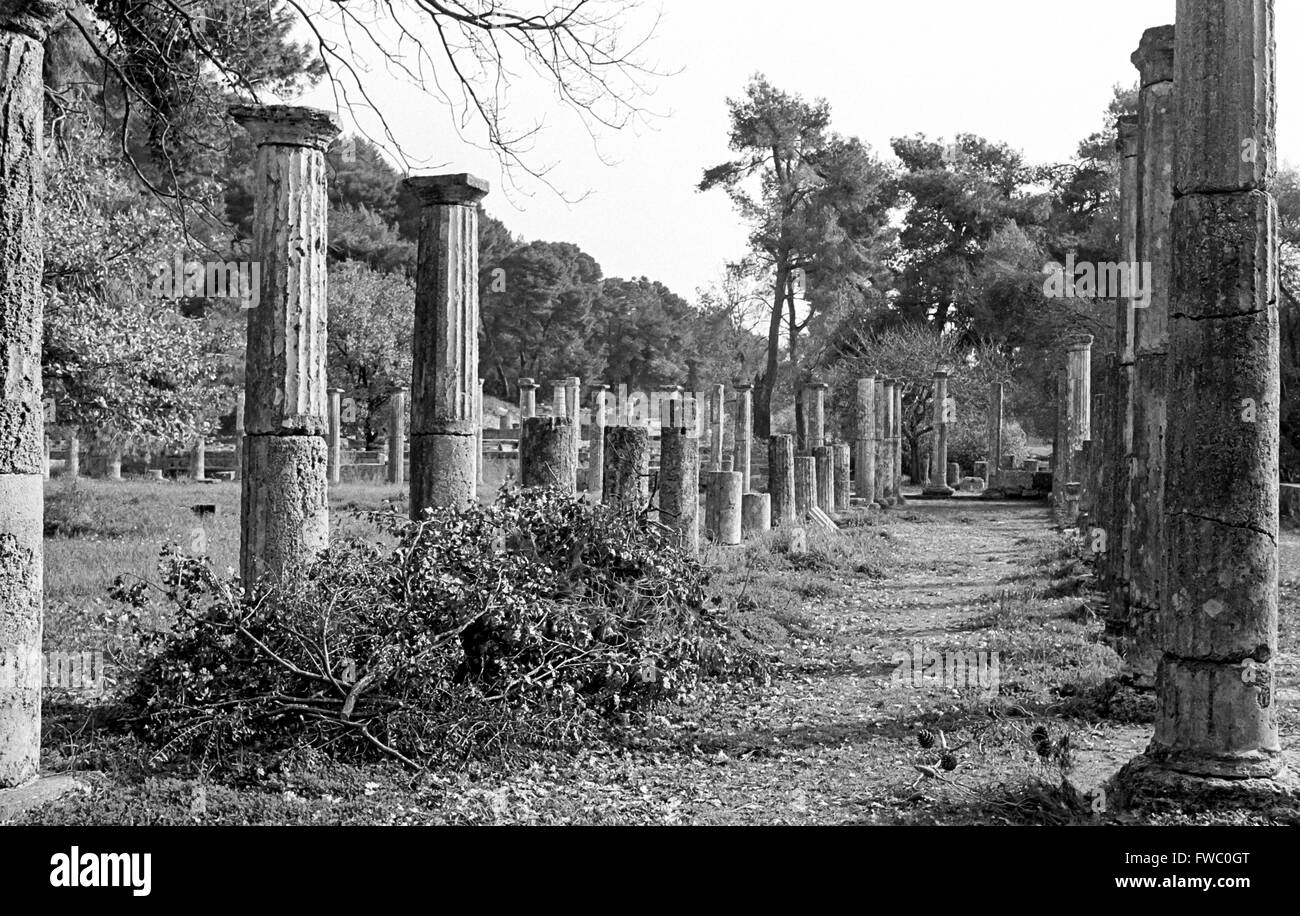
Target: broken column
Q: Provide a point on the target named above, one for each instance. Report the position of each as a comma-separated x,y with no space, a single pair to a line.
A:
334,441
626,485
864,429
444,367
814,416
756,514
897,473
843,485
397,437
1216,729
547,455
1156,140
22,96
679,484
284,512
744,432
825,456
780,479
478,434
805,486
938,485
722,508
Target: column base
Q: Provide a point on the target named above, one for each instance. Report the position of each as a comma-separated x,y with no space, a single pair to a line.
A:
942,491
1149,782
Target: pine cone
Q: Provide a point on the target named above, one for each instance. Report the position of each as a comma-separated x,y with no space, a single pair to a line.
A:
925,738
948,761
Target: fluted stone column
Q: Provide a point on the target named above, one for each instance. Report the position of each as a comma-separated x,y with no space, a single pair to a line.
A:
825,456
527,399
478,435
864,427
744,435
1216,684
997,400
444,367
805,486
284,515
334,436
1157,133
814,415
780,479
1078,413
397,438
883,399
897,474
626,486
1120,538
937,486
843,484
241,398
719,425
679,484
596,444
23,27
723,502
547,455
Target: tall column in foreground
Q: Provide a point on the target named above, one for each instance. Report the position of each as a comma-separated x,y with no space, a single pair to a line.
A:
284,513
1219,633
1154,59
744,433
22,429
938,485
444,368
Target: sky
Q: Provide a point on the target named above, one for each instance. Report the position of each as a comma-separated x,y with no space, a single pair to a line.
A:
1035,74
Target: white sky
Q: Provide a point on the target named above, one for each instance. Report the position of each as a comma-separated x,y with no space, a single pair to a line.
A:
1036,74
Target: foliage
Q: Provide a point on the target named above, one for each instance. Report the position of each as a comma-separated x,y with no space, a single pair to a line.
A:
483,629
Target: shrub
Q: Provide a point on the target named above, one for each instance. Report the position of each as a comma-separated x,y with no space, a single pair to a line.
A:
523,622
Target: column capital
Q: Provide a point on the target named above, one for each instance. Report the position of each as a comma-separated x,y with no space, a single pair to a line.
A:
33,18
333,390
1080,341
1154,57
287,125
744,387
940,373
459,189
527,383
599,386
1127,128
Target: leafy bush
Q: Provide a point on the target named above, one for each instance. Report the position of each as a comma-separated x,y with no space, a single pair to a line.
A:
968,442
523,622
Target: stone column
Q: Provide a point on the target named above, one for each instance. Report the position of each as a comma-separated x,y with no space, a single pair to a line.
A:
596,444
997,398
938,486
825,456
780,479
241,398
679,484
1078,406
897,475
805,486
1120,537
478,435
334,441
723,502
719,424
814,413
113,463
527,399
1216,734
199,459
864,427
1157,130
72,464
756,514
882,401
627,468
843,485
744,436
22,31
397,437
444,366
284,512
547,455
